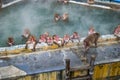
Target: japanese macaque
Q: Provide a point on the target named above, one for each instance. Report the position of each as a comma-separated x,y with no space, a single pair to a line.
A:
65,17
26,34
65,39
57,17
10,41
117,31
91,30
91,39
31,40
75,37
56,40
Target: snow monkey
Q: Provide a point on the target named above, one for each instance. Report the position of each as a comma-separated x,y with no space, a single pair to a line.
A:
91,39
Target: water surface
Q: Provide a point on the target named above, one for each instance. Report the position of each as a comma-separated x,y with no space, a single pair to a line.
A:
38,17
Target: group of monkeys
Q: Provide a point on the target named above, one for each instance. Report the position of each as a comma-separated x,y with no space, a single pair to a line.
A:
87,42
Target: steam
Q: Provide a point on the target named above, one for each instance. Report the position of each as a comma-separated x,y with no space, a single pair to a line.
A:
38,17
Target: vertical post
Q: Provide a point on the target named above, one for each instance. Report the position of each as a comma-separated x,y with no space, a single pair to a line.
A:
92,60
60,76
67,69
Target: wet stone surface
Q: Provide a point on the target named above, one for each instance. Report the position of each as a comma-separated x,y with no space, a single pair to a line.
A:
102,53
42,62
45,61
108,52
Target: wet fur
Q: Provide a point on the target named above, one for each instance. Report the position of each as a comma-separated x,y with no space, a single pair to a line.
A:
91,39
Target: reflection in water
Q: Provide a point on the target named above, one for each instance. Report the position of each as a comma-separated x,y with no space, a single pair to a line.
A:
39,18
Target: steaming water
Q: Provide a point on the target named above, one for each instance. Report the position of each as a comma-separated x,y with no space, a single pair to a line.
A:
38,17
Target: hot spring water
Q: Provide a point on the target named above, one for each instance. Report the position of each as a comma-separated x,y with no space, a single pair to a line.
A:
38,17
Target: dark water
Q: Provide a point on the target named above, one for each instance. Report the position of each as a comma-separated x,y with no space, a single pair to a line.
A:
38,17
